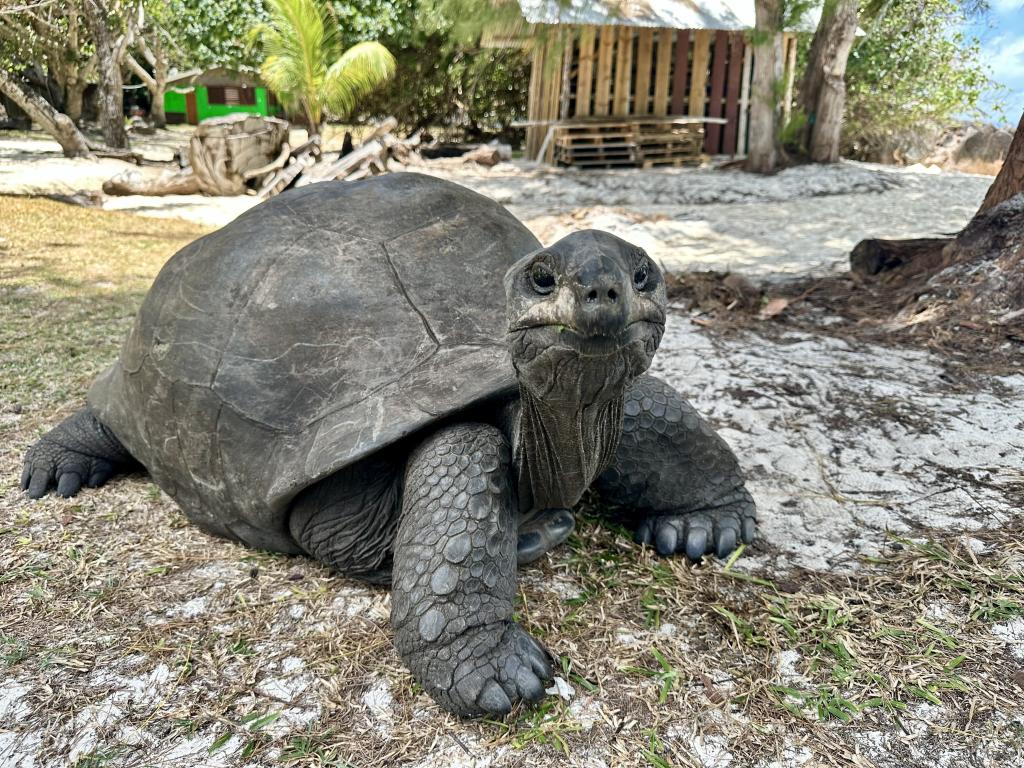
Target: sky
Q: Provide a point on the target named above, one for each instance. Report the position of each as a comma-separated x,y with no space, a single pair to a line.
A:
1001,33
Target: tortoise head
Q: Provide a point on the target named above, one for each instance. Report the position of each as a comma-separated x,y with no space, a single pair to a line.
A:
585,317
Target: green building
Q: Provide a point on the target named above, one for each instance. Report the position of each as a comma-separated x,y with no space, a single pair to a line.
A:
196,95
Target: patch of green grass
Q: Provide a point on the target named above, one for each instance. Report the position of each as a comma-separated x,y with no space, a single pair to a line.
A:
654,752
569,673
97,758
12,649
69,292
548,724
666,675
997,610
241,647
743,629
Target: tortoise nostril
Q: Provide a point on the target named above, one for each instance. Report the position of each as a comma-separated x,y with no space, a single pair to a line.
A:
612,294
592,296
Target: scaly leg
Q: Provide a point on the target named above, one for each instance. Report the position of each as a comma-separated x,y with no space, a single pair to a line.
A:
78,451
348,520
453,582
679,474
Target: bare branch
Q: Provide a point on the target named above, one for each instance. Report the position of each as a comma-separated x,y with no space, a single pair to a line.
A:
140,71
8,9
143,46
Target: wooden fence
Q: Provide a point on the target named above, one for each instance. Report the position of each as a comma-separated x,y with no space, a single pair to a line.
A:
587,71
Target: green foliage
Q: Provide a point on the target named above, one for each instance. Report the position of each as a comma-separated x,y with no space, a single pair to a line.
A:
444,79
207,33
915,67
463,21
466,93
793,11
390,20
305,64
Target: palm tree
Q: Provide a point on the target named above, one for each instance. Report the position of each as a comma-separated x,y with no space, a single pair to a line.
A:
306,67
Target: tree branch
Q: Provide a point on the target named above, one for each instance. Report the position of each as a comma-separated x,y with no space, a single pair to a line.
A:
140,71
13,10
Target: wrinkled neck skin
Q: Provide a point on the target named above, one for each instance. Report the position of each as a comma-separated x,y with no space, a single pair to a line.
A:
561,445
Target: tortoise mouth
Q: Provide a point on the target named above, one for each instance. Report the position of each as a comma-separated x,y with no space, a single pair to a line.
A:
591,344
602,344
635,343
561,364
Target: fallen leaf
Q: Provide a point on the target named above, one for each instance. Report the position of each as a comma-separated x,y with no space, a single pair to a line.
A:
714,695
774,307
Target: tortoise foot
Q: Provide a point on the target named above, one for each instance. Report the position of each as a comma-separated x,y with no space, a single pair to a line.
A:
78,451
486,670
542,532
696,534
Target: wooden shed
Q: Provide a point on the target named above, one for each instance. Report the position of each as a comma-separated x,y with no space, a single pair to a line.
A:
640,82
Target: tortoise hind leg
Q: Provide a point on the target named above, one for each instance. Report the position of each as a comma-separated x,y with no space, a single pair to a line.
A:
78,451
348,520
542,531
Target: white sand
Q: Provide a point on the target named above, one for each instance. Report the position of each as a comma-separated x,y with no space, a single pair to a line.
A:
802,220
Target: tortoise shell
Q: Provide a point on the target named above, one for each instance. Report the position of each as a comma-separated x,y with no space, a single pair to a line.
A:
312,331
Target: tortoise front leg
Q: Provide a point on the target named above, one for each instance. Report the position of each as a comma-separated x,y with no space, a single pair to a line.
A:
673,468
454,576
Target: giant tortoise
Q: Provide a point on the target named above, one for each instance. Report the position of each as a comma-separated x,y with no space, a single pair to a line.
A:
333,374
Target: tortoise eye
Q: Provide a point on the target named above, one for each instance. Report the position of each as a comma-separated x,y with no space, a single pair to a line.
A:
542,278
640,277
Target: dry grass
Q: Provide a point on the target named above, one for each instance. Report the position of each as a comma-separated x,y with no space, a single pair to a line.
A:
136,636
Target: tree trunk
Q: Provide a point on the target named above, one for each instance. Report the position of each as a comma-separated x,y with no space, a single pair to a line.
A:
16,116
156,83
160,74
181,182
762,150
814,72
111,85
73,98
156,107
1010,180
312,121
64,62
837,30
976,277
58,125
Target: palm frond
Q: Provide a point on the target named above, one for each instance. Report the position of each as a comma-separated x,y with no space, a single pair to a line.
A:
296,41
302,64
360,69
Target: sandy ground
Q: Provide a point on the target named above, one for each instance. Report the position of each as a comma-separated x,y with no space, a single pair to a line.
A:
877,621
803,220
845,448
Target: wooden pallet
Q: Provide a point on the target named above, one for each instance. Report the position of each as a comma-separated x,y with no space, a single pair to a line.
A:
636,142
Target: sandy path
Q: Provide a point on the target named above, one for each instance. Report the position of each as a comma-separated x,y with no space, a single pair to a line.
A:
802,220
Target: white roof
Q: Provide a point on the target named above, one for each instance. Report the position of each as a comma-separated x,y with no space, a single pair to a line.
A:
674,14
671,14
